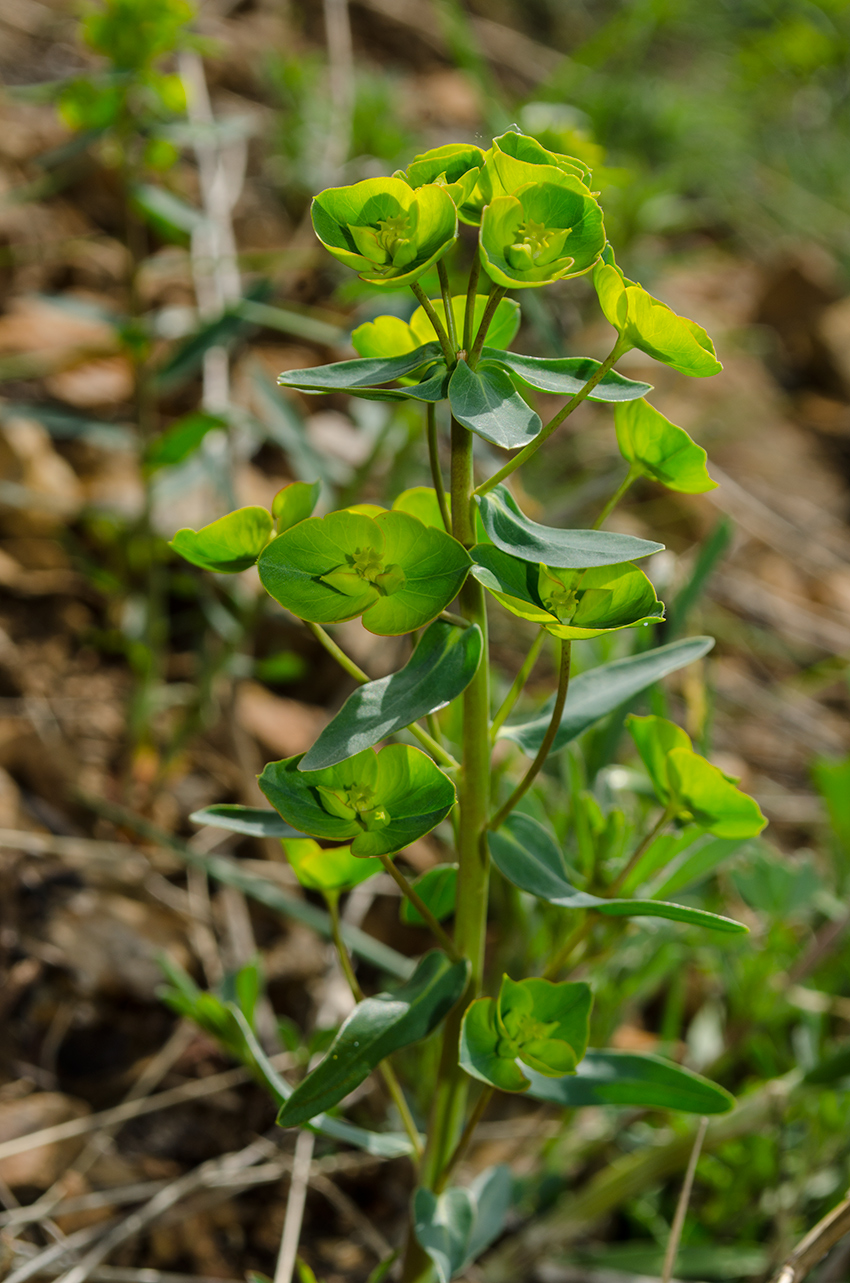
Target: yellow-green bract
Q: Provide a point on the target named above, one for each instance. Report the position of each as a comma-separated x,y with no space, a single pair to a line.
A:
327,869
382,228
692,787
231,544
391,336
659,449
545,231
570,604
542,1024
391,569
647,323
379,802
456,167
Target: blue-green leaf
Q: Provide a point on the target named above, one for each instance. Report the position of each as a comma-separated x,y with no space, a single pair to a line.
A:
455,1227
628,1078
360,374
486,401
252,821
442,665
567,375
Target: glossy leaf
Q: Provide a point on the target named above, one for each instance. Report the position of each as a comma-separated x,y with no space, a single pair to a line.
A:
362,373
379,802
564,375
549,229
231,544
393,570
375,1029
540,1023
571,604
455,1227
598,692
437,888
486,401
382,228
294,503
526,853
252,821
329,869
647,323
634,1079
513,532
697,789
440,668
657,448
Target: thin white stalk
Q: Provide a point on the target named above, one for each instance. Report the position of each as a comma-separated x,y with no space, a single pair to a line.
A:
295,1207
341,88
682,1205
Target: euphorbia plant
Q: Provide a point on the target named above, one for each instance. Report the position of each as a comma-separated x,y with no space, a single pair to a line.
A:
431,563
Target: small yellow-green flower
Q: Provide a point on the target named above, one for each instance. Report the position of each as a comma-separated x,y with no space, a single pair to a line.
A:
544,232
387,231
456,167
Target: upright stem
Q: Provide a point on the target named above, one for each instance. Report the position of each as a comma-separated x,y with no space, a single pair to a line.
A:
548,739
517,686
647,842
471,295
495,297
630,476
439,328
473,856
622,345
436,471
447,303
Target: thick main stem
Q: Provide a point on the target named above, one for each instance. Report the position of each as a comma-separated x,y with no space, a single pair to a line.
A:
473,856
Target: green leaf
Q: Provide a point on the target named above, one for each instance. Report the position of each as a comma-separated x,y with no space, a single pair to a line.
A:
172,217
221,331
456,1226
387,232
330,869
386,336
564,375
437,888
440,668
546,231
228,545
696,862
180,439
657,448
486,401
252,821
831,1068
683,779
212,1011
513,532
375,1029
362,373
389,336
572,604
380,802
294,503
526,853
647,323
537,1022
635,1079
391,569
601,690
832,780
421,502
381,1144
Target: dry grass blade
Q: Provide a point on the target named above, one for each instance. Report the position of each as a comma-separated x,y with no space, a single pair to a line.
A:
682,1206
295,1207
816,1244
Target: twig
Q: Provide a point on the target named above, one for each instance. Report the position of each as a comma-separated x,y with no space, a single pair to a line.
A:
815,1245
682,1205
295,1207
55,1253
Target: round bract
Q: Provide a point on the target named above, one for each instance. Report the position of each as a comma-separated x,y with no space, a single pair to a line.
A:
542,233
384,229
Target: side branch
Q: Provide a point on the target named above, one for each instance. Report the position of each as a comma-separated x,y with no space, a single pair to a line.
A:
425,303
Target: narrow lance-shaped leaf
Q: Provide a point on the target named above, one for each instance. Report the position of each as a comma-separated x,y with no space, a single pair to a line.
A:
513,532
486,401
360,374
379,802
375,1029
455,1227
633,1079
440,668
231,544
526,853
564,376
659,449
251,821
598,692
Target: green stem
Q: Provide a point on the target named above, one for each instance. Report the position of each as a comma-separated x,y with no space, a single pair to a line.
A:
622,345
421,907
642,847
425,303
463,1144
427,741
471,295
630,477
518,685
548,740
434,458
385,1068
450,618
572,941
494,298
447,304
473,856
